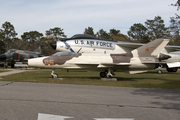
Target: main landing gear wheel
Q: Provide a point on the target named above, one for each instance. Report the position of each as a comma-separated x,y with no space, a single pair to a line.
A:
54,75
103,74
107,74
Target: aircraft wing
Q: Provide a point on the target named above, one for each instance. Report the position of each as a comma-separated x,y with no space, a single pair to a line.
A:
171,48
132,46
129,44
103,65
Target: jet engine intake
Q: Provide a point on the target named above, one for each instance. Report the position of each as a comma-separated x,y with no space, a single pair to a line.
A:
162,56
18,57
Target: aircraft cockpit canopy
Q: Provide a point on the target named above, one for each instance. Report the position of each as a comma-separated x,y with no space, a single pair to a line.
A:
64,54
83,36
10,51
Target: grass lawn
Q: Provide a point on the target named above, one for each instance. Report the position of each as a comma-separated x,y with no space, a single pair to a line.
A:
145,80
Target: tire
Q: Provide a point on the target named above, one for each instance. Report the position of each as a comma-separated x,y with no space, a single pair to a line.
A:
55,76
159,71
102,74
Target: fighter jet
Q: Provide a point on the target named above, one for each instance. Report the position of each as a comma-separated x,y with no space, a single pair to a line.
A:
139,60
12,56
82,43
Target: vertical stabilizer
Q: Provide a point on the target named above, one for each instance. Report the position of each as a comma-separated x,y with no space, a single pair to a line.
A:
150,49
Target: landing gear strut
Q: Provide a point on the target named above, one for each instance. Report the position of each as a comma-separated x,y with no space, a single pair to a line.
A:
108,74
159,71
54,75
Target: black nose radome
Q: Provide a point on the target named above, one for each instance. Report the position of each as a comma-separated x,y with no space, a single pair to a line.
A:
3,57
53,45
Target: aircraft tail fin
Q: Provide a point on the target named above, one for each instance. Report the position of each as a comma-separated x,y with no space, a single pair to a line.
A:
38,49
150,49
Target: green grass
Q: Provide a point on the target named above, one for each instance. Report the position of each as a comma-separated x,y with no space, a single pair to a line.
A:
145,80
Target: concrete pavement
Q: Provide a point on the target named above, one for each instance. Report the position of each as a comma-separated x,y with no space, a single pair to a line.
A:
25,101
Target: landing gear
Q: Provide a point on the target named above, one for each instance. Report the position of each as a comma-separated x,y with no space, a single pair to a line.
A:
159,71
107,74
103,74
12,66
54,75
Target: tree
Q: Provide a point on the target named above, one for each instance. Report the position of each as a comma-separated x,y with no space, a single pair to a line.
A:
175,26
120,37
56,32
177,4
2,47
32,36
7,34
47,49
114,32
31,39
175,29
89,31
103,34
138,32
156,28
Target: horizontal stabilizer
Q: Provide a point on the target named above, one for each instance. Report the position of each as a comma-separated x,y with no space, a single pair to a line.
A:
174,64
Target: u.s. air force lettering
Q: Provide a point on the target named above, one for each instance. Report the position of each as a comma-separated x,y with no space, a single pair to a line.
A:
95,43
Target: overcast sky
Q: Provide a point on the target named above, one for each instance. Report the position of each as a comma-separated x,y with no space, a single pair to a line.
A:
75,15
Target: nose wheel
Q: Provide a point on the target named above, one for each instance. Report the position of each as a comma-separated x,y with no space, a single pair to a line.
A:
159,71
54,75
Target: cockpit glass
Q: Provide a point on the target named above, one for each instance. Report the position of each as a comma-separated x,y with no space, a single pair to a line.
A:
10,51
64,54
61,54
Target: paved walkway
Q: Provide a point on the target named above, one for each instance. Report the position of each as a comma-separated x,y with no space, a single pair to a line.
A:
11,72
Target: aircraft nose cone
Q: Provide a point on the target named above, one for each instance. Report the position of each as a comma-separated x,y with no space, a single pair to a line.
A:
3,57
36,62
53,45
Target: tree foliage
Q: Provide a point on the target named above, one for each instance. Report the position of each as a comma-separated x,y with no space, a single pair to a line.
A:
32,36
103,34
177,4
7,34
31,39
175,26
156,28
139,33
114,32
89,31
56,32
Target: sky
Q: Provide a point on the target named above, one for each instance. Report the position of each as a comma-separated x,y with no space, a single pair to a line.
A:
73,16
